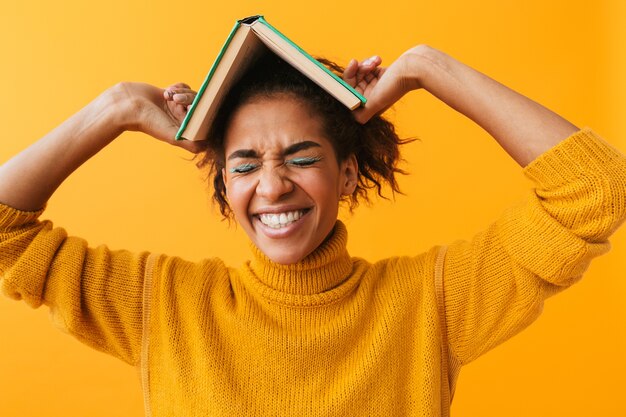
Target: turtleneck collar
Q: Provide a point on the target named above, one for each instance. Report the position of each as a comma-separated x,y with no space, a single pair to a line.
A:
315,279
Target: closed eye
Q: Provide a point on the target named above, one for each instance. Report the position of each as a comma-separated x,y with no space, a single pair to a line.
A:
242,169
303,161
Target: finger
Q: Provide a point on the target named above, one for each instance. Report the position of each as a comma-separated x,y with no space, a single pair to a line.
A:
349,74
179,96
371,62
368,70
362,85
183,98
371,78
178,111
179,85
369,65
179,88
170,91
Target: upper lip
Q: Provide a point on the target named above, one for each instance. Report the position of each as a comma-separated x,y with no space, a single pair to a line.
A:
277,209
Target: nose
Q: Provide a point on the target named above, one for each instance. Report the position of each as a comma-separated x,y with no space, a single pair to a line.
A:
273,184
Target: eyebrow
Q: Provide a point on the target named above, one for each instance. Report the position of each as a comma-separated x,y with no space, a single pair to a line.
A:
290,150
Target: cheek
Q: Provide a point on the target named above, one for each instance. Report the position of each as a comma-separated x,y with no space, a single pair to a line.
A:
323,186
239,193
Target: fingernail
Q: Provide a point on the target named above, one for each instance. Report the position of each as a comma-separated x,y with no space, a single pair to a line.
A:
179,97
370,60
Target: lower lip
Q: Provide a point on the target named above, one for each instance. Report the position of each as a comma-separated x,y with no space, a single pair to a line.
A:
282,232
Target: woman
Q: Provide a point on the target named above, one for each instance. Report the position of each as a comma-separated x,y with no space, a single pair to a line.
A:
303,328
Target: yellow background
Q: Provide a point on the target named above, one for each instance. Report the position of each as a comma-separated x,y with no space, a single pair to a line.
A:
141,194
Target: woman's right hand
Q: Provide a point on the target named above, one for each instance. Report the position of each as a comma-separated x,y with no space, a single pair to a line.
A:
29,178
157,112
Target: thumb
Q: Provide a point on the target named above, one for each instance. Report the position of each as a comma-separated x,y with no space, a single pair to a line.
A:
192,146
385,94
158,125
165,129
379,101
363,114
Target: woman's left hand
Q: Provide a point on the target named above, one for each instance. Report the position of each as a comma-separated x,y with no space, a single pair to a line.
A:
524,128
381,86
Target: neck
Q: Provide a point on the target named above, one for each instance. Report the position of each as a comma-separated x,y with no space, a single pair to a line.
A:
321,271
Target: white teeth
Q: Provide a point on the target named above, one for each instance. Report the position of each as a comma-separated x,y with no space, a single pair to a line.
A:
276,221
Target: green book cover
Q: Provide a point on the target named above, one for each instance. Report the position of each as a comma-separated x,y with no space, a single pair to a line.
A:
261,20
206,81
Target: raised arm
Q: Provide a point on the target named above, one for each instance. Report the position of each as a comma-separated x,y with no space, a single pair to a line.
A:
28,180
524,128
495,283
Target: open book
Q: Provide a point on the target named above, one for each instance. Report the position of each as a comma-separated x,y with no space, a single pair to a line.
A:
248,40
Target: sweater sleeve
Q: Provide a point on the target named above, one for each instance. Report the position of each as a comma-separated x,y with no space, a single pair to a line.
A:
93,293
495,284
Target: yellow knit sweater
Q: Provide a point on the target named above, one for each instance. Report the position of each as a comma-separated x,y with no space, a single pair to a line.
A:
332,335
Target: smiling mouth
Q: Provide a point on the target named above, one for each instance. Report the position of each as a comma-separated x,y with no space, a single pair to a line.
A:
280,220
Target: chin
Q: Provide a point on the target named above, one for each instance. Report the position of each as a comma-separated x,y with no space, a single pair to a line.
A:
283,256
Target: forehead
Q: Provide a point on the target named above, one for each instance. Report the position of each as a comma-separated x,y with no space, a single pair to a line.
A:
272,124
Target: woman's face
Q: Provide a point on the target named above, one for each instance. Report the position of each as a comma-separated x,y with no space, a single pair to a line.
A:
283,181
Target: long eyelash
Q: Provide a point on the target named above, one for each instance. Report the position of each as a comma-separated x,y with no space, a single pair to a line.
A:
305,161
242,169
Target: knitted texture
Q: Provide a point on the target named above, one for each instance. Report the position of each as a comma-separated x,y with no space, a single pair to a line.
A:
331,335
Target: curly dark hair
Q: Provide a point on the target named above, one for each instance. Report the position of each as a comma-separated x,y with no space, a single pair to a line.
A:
375,143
